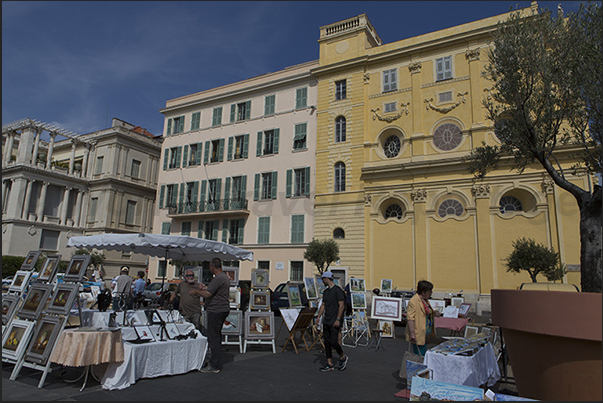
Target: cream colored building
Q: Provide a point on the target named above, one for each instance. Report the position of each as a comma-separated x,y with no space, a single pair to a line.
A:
238,167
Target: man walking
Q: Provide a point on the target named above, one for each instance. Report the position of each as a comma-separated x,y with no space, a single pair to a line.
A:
333,305
217,307
190,305
123,288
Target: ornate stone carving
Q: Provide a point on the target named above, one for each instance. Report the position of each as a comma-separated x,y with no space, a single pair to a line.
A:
472,55
547,186
447,108
489,91
481,190
367,77
414,67
419,195
390,119
368,199
32,230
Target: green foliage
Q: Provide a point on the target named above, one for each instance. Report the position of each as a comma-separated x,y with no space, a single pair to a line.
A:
536,259
96,259
10,265
322,253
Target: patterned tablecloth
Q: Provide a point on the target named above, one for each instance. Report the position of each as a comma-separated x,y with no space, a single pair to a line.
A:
77,348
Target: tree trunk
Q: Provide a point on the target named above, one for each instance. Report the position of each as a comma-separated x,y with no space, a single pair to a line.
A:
591,225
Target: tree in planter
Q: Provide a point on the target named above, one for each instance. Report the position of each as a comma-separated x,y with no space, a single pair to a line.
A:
547,98
322,253
535,258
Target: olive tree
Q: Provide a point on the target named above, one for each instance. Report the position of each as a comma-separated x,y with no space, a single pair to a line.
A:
535,258
322,253
545,73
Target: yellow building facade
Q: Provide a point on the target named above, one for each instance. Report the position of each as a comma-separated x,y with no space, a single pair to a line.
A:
395,122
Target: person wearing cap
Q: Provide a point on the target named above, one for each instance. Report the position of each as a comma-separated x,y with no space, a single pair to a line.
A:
332,307
123,286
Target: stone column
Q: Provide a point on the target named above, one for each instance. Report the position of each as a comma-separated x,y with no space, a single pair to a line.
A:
4,190
125,162
40,211
72,157
34,158
14,207
8,151
417,110
26,144
487,278
24,213
85,161
78,208
65,205
50,149
475,97
421,261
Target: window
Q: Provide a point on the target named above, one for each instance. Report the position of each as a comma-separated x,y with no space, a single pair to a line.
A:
299,139
196,121
237,198
389,107
175,155
297,271
443,68
264,264
130,212
92,210
301,98
447,136
135,169
340,89
394,211
265,186
445,96
178,124
268,141
298,182
240,111
339,177
340,129
450,207
49,240
269,104
390,81
216,117
171,196
186,228
338,233
214,151
391,147
297,228
213,194
509,204
192,154
99,165
238,147
211,230
190,197
166,227
162,268
236,231
264,230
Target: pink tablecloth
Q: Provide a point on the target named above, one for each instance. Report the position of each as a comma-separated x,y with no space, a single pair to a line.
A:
456,324
78,349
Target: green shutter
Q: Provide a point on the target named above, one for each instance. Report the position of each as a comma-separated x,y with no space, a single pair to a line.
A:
221,151
289,182
229,155
200,227
225,231
195,195
161,196
214,232
178,156
259,144
247,110
269,105
233,112
199,151
206,156
195,122
218,189
166,158
185,156
227,193
245,145
276,137
181,198
243,187
307,184
174,201
256,188
169,128
241,231
273,192
202,199
297,229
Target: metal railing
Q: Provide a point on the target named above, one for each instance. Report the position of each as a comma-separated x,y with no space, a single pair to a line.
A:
208,206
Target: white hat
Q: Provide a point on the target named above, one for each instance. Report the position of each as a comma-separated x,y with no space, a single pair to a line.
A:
327,274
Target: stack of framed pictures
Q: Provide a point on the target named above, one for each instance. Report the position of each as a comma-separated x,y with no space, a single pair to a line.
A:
358,289
259,296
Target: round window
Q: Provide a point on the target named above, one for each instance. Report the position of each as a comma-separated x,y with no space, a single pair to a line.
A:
394,211
509,203
450,207
447,137
391,147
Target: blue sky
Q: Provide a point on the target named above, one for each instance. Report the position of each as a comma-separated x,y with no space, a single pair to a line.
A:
79,64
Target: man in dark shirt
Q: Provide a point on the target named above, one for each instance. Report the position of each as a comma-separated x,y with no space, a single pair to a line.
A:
333,305
217,307
190,305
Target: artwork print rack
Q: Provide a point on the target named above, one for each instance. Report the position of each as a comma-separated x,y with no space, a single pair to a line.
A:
356,331
259,303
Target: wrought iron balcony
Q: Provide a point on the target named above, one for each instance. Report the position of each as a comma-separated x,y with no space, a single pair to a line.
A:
211,206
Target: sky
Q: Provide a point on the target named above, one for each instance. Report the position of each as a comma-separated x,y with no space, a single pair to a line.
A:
78,64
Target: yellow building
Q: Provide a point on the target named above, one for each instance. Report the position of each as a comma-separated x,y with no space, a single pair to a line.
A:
394,124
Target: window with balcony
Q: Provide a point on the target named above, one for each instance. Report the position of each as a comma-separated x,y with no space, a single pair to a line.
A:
340,89
237,195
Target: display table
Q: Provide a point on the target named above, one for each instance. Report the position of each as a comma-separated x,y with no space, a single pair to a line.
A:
154,359
454,324
95,318
479,369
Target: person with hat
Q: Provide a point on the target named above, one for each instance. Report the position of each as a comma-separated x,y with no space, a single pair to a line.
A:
332,307
123,288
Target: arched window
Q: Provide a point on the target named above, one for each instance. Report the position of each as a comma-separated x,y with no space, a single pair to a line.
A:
340,129
394,211
509,204
447,136
338,233
450,207
392,145
339,177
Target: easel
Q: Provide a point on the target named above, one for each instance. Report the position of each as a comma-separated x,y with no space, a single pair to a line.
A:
301,324
316,335
228,342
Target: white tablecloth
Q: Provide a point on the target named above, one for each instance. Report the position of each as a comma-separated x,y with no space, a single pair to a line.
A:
154,359
477,370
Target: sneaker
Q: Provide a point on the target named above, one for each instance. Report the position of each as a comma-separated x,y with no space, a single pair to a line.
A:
327,368
342,363
208,369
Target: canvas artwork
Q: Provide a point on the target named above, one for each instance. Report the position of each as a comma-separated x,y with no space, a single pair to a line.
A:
259,325
456,301
464,309
471,331
320,285
20,281
153,317
386,285
36,299
144,332
233,274
412,369
428,389
294,295
44,338
233,324
15,338
357,285
451,311
259,299
172,330
30,260
289,316
234,297
77,268
311,289
259,278
358,300
438,305
387,326
386,308
49,269
10,303
63,298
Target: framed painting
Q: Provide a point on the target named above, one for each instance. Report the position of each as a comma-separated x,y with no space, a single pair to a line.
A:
20,281
358,300
386,285
464,309
15,338
387,326
471,331
451,311
234,297
63,298
259,278
144,333
259,299
311,289
357,285
259,325
172,330
153,317
35,301
233,274
438,305
320,285
294,295
49,269
30,260
386,308
233,324
45,335
10,304
289,316
457,301
77,268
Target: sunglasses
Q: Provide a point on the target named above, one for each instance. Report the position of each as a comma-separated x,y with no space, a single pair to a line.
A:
189,275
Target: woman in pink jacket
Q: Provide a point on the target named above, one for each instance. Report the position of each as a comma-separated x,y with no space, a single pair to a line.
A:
420,318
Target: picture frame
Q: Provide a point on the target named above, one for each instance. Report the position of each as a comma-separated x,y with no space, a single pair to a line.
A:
35,301
30,260
153,317
294,295
470,331
311,289
234,297
388,328
172,330
233,274
63,298
15,338
289,316
464,309
20,281
49,269
76,268
259,278
357,285
457,301
451,311
44,338
259,325
386,285
320,286
438,305
233,324
259,299
358,300
387,308
10,305
144,332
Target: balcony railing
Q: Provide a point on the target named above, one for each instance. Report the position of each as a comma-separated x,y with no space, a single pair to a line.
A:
208,206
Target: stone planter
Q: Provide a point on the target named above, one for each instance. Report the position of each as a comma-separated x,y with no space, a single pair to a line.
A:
553,340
